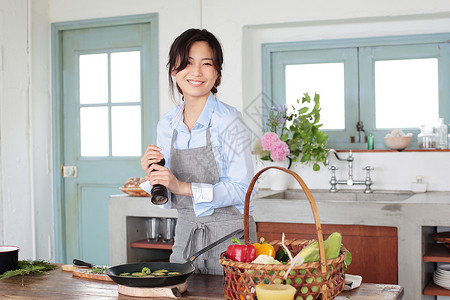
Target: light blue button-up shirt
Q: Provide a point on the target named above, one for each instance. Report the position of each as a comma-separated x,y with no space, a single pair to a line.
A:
231,143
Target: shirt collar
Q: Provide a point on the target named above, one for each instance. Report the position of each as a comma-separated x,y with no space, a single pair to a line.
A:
178,116
205,116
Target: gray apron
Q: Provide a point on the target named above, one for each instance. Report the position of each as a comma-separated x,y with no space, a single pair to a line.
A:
193,233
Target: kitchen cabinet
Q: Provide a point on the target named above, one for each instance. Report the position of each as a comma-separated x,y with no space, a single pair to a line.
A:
373,248
136,233
139,249
408,216
127,231
437,253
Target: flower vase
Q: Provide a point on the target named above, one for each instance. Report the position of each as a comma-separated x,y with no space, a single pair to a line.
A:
279,180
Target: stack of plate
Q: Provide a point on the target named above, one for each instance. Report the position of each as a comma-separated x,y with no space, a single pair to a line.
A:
442,276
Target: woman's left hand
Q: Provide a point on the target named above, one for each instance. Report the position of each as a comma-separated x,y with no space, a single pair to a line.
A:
162,175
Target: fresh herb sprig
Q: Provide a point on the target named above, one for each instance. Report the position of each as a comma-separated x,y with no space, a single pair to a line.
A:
26,267
306,138
99,270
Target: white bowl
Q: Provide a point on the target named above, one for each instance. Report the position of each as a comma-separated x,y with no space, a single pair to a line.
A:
445,269
397,142
418,187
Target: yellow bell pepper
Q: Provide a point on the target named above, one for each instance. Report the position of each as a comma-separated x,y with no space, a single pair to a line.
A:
264,248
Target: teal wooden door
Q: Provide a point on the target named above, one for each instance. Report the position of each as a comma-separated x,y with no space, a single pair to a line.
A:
110,115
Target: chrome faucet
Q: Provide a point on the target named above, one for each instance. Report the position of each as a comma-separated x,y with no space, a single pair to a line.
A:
350,181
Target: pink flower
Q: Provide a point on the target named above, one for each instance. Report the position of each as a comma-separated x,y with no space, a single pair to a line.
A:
279,151
268,140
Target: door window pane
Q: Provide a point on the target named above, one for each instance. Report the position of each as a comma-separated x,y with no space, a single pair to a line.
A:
325,79
94,131
126,76
406,93
126,130
93,78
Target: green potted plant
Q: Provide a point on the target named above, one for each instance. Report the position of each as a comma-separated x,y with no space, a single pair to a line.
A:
294,134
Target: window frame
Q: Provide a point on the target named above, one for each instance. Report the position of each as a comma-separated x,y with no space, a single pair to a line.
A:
348,56
276,55
109,104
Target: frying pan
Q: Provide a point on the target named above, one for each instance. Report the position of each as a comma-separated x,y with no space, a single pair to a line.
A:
185,269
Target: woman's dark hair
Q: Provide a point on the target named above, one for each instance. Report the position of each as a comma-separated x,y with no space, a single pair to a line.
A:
179,54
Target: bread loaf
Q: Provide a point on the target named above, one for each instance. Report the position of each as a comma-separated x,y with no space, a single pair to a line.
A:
133,182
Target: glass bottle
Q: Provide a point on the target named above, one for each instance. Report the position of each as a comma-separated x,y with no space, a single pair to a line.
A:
426,138
442,134
448,139
370,141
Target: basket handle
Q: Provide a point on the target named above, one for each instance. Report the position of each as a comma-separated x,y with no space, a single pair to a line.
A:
311,202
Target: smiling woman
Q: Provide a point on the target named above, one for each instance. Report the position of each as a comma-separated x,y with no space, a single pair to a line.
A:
180,56
206,146
196,80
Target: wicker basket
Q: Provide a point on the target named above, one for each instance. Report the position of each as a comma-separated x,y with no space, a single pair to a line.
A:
316,280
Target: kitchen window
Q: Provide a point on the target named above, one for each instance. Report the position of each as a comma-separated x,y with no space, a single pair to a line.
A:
365,85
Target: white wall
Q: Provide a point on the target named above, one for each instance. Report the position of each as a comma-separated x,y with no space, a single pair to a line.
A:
41,131
1,97
26,203
15,112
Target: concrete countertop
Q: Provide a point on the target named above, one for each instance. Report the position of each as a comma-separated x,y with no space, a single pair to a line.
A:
408,215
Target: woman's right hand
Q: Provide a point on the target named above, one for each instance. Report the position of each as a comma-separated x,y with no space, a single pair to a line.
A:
152,155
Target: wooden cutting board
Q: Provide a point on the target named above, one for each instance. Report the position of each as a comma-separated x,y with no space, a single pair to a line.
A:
86,274
71,268
172,291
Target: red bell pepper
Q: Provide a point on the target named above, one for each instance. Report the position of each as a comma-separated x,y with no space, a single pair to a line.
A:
240,252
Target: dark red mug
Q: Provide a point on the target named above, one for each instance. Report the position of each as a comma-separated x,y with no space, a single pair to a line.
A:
9,257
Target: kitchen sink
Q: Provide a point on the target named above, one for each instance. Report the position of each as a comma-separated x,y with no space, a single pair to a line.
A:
342,195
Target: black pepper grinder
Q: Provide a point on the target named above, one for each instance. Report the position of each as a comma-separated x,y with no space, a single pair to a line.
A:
159,192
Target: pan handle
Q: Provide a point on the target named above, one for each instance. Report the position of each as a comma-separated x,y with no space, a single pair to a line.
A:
78,262
209,247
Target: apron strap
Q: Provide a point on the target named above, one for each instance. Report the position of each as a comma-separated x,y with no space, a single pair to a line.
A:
174,136
208,137
208,134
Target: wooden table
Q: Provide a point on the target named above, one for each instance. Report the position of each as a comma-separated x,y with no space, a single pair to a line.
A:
59,284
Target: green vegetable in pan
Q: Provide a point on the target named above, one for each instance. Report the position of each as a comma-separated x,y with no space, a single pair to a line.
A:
146,272
173,273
